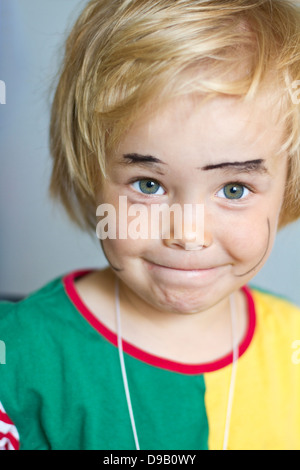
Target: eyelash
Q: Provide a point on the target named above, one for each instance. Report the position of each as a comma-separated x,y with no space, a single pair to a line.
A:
137,180
236,183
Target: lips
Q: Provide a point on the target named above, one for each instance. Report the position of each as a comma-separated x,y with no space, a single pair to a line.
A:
181,268
187,277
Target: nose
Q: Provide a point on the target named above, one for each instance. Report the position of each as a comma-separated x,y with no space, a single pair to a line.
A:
190,232
188,242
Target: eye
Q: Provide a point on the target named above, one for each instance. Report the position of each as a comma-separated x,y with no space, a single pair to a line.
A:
148,186
233,191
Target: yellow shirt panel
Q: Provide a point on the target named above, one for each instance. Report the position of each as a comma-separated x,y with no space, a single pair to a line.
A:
266,405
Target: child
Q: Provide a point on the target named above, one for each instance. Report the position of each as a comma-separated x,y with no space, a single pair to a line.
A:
188,103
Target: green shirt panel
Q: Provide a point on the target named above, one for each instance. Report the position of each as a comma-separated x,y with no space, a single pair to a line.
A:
62,384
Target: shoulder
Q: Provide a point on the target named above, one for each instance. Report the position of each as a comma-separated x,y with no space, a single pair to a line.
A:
275,312
39,328
52,315
272,302
23,340
29,312
27,325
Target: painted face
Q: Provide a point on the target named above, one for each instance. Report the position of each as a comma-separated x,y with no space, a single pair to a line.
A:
222,155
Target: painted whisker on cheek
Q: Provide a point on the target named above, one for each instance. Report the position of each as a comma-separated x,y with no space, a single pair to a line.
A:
113,267
262,258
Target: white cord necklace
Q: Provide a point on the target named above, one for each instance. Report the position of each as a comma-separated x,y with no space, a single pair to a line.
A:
233,370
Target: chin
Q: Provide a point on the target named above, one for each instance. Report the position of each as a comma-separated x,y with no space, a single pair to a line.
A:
182,303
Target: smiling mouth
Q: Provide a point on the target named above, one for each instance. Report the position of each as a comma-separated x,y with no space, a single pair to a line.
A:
182,277
175,268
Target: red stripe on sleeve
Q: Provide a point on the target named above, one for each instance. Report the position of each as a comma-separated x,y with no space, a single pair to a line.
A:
9,436
10,439
4,418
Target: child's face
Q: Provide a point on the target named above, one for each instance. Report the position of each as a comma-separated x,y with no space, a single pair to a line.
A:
220,154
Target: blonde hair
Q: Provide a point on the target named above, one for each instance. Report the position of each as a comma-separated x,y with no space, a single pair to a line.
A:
123,54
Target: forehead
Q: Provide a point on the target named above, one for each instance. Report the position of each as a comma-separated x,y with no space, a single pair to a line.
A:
220,127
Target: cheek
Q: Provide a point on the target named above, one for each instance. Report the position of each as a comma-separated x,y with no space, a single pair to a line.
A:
122,252
129,230
250,240
120,248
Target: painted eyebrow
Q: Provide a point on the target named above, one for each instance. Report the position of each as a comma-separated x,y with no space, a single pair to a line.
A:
142,160
248,166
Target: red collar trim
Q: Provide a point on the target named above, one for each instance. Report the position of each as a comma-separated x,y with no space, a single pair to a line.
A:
191,369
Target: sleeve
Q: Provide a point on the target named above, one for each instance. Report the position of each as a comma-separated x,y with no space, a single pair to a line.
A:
9,436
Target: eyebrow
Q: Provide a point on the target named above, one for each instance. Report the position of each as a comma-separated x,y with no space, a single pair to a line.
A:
248,167
142,160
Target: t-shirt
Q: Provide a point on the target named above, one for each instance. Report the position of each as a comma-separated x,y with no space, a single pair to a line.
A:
61,385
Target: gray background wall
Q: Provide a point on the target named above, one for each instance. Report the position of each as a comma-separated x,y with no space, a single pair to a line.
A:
37,242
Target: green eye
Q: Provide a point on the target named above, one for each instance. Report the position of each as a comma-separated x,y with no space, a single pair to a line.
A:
233,191
148,187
